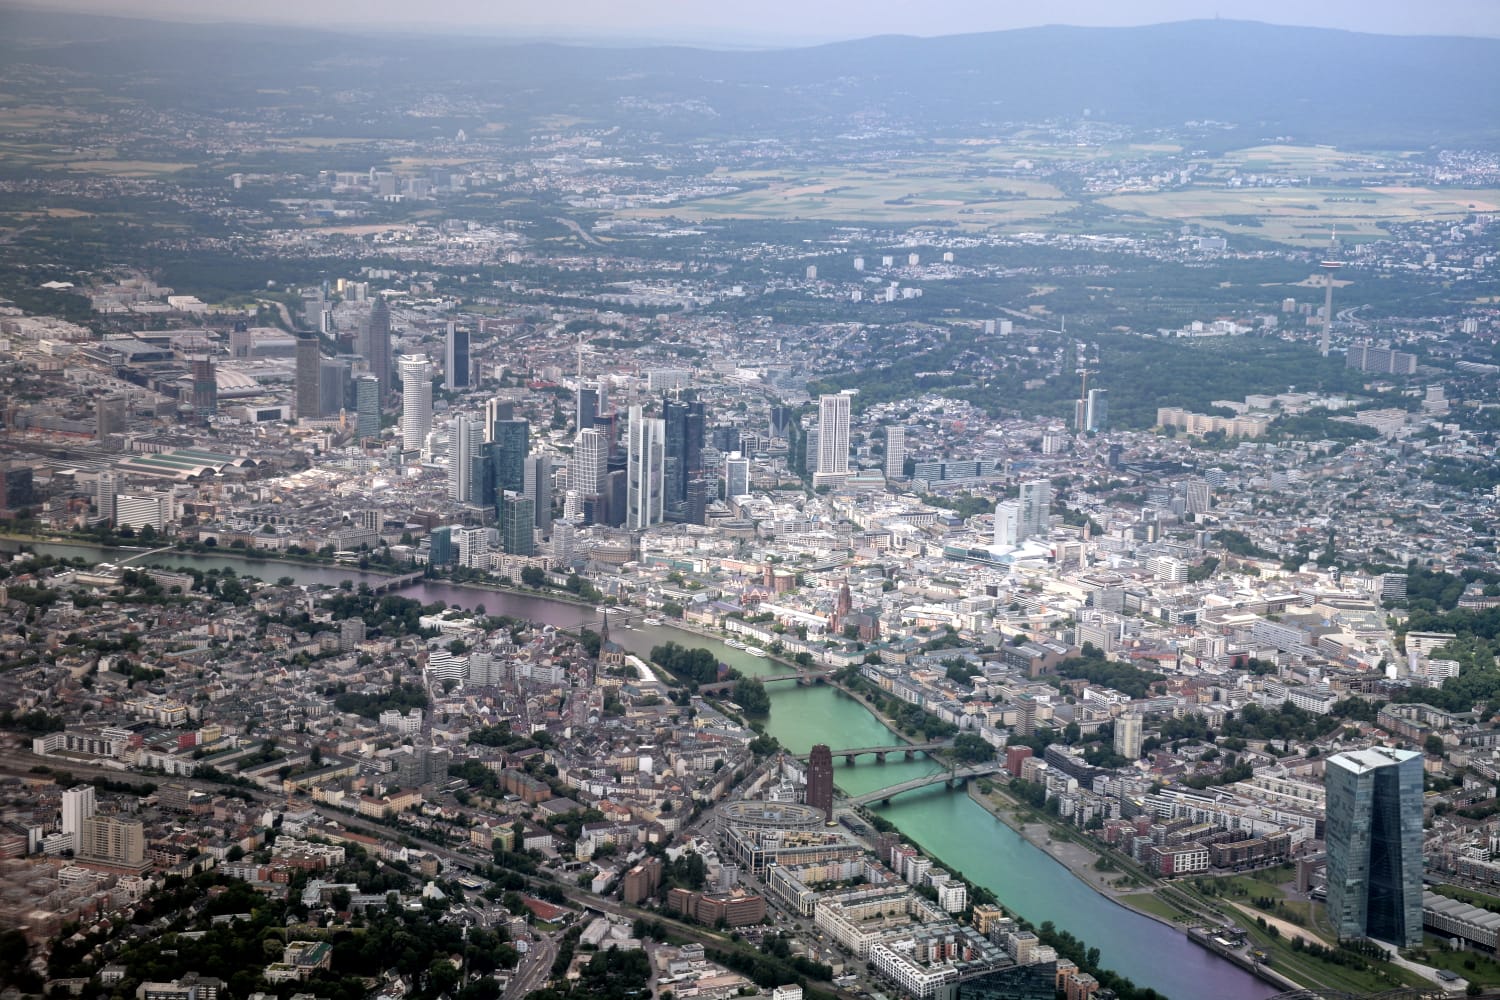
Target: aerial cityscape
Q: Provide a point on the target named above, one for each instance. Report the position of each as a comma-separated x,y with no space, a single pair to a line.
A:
986,515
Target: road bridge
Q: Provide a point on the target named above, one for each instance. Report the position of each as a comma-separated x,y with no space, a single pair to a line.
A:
957,776
394,583
803,678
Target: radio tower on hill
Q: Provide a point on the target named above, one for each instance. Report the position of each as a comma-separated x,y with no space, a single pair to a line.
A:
1329,268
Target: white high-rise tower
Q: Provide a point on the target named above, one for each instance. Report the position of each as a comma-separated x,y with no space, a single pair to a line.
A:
645,471
833,439
416,400
1008,533
590,460
1036,508
465,438
78,804
895,452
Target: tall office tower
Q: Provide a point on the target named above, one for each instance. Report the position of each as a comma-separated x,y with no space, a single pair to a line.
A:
495,411
517,525
697,428
456,374
590,398
1374,838
465,439
17,485
587,467
367,406
607,422
564,535
239,339
538,487
333,385
440,550
78,804
833,438
110,417
416,400
309,401
205,387
613,506
1096,418
736,475
725,439
820,780
510,440
1008,531
895,452
645,470
683,423
701,492
104,496
1128,736
1036,508
377,346
781,420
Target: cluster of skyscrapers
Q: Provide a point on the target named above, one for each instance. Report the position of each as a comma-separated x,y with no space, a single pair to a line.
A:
361,382
656,476
490,464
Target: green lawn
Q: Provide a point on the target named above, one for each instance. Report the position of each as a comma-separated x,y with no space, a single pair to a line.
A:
1150,902
1250,885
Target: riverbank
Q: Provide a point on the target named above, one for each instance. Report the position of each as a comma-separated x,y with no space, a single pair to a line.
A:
938,860
1075,857
1080,859
873,709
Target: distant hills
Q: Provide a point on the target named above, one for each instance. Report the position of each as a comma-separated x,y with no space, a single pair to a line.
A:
1311,85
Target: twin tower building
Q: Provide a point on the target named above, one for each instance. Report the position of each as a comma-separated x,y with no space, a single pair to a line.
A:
1373,832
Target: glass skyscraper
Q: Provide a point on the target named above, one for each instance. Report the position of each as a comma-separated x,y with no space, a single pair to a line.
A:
510,440
1374,839
367,405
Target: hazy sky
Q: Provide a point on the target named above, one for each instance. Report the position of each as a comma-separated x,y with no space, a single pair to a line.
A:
728,22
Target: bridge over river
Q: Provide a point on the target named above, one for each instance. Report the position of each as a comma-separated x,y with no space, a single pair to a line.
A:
955,776
879,753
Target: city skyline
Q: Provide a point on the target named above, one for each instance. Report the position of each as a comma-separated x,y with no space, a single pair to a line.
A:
785,24
1050,482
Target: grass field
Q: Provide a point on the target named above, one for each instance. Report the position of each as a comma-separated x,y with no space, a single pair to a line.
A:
964,187
906,191
1302,215
125,168
1150,902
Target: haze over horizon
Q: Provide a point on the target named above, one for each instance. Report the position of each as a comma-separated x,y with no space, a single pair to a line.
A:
783,22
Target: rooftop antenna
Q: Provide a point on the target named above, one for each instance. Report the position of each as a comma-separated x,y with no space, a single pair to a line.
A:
1329,267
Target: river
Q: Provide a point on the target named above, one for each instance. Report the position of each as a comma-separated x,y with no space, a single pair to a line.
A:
947,823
